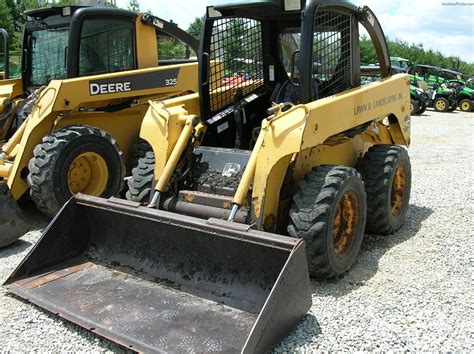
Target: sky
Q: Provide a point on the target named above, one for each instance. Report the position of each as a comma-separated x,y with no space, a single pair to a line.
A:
444,25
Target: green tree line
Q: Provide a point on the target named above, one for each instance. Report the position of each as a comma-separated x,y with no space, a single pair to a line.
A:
11,18
416,54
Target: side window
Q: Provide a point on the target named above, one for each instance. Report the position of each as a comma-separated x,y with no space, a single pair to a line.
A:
169,48
332,60
106,45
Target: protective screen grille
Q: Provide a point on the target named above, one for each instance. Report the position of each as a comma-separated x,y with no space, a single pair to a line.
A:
332,53
236,59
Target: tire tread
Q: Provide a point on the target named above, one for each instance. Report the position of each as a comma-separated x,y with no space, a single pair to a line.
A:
310,212
41,165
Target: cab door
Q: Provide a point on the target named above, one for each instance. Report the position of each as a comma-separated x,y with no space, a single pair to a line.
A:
102,41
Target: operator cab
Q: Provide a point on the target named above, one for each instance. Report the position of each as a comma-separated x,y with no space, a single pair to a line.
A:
284,52
74,41
45,44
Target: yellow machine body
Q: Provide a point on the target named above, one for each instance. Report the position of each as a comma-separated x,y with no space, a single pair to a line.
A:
81,101
215,210
68,102
303,137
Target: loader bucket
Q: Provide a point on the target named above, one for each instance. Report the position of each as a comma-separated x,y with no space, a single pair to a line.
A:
13,220
156,281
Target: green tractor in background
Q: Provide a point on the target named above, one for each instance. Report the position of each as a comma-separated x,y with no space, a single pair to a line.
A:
465,95
441,98
435,78
418,100
418,97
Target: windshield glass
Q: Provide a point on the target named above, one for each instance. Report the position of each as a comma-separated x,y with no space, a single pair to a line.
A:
48,55
106,46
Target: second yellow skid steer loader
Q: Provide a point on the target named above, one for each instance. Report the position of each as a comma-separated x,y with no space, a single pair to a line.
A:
281,152
74,116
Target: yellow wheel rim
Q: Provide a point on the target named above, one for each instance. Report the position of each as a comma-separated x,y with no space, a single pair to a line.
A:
345,224
465,106
440,105
411,108
398,190
88,174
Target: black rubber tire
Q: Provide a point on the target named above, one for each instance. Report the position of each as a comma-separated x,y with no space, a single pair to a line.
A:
51,160
446,104
422,109
466,102
378,170
139,150
312,215
140,183
414,107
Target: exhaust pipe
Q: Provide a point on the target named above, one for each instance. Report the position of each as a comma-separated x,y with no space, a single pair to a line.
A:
152,280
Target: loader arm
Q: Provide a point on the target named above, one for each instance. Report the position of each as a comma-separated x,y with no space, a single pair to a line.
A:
61,99
311,125
10,91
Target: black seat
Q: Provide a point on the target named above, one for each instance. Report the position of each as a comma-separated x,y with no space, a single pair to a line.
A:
290,92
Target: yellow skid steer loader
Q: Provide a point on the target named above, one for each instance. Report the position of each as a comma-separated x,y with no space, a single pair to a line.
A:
74,116
281,152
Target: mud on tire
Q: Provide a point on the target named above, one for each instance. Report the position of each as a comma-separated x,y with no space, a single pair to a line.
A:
386,171
49,169
314,214
140,183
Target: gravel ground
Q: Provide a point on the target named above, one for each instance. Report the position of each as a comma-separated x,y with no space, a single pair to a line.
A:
410,291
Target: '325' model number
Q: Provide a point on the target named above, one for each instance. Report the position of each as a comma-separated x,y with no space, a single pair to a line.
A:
171,82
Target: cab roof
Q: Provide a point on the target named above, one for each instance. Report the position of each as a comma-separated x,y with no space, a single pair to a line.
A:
261,9
51,11
455,72
428,66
